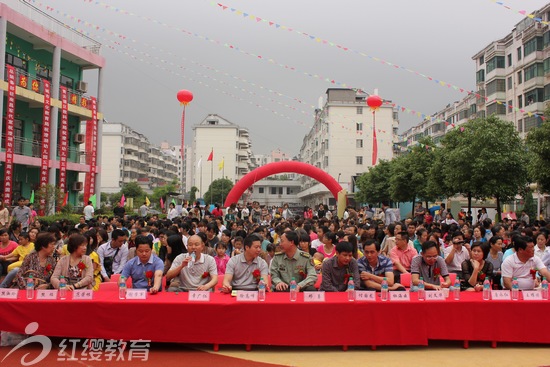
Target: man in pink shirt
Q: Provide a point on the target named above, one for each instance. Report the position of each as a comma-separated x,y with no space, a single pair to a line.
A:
401,255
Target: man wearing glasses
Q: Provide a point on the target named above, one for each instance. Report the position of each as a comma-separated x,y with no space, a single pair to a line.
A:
430,266
457,253
402,254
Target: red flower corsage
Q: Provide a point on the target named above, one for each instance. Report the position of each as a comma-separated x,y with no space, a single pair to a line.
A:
81,266
533,273
437,272
346,278
205,275
256,274
149,275
302,274
47,269
481,276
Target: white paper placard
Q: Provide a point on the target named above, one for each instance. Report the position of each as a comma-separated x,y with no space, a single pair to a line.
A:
199,296
136,294
400,296
365,296
247,296
314,296
8,293
532,295
83,294
46,294
435,296
503,295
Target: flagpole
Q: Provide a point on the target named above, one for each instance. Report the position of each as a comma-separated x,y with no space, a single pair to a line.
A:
211,175
200,179
223,176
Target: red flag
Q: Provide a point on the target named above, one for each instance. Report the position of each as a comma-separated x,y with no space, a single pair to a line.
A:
66,199
211,156
161,203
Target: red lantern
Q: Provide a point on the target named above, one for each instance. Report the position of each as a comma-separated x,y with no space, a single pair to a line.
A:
185,96
374,102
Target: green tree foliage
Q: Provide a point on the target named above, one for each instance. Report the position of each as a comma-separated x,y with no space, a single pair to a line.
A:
132,190
193,194
218,190
538,143
530,206
374,184
162,191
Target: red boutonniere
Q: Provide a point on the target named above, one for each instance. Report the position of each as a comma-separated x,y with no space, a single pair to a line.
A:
437,272
149,275
302,274
347,276
205,275
533,272
256,274
47,269
481,276
81,266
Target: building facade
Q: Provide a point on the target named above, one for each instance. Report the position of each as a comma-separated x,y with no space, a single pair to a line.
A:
42,53
228,143
273,192
341,142
128,156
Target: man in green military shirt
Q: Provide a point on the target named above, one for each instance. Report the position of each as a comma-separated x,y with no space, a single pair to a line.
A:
292,263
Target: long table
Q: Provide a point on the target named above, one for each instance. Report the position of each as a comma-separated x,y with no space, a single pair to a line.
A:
170,317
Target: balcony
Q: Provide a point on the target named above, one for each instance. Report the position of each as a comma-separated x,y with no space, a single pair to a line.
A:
536,107
534,82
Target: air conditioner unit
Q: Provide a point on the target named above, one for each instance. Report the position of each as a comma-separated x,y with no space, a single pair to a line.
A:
82,86
78,186
78,138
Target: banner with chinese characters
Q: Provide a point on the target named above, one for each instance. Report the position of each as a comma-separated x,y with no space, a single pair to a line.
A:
63,140
46,136
10,136
91,151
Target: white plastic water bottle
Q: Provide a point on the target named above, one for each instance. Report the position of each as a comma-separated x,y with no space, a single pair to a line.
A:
192,262
62,287
384,290
544,288
261,290
122,288
486,290
515,289
351,289
421,290
30,287
456,289
293,290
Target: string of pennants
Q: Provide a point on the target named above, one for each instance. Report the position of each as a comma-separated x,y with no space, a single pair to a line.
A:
522,12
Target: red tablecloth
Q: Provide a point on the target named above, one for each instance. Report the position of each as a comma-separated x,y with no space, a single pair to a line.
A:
167,317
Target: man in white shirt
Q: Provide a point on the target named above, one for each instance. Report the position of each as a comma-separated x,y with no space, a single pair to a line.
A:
523,265
113,255
456,254
88,211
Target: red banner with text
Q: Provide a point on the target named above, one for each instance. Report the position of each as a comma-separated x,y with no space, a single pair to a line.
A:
46,136
91,152
64,140
10,136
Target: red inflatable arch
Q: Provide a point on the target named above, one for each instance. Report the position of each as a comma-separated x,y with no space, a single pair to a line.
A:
280,167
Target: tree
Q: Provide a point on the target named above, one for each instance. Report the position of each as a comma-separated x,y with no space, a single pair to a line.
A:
373,185
530,206
162,191
218,190
193,194
485,158
538,143
48,196
132,190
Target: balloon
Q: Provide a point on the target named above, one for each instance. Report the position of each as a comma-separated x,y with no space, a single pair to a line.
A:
279,167
184,96
374,102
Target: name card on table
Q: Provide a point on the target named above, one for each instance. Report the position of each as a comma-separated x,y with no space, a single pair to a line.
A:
83,294
400,296
532,295
136,294
368,296
314,296
200,296
247,296
503,295
9,293
46,294
435,296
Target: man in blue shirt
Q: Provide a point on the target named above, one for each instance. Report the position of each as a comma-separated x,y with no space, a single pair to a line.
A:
146,268
373,268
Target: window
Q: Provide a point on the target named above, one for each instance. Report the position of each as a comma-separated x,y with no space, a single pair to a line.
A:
260,190
509,104
497,85
359,160
510,83
520,125
509,60
532,122
520,101
17,62
546,39
273,190
534,96
480,76
359,143
534,44
519,53
66,81
520,77
44,73
496,108
280,190
360,110
289,191
533,71
546,66
359,126
481,60
547,92
496,62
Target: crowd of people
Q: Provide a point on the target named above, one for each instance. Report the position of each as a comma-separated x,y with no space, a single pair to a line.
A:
249,243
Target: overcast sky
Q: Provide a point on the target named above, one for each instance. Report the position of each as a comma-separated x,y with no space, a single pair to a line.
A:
434,37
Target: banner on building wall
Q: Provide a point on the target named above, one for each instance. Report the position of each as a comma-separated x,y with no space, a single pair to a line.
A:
91,152
46,136
63,140
10,136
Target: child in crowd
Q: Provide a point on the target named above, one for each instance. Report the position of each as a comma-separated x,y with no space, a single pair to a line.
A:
237,246
226,239
270,249
221,259
318,261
